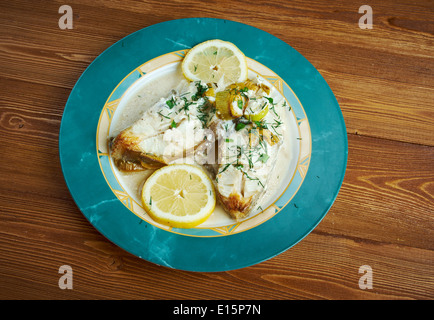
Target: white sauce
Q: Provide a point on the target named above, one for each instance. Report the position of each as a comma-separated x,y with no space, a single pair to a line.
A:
138,98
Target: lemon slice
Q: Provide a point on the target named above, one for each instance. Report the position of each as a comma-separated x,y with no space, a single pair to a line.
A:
215,61
179,196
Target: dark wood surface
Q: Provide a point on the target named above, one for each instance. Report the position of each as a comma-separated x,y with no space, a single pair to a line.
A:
383,79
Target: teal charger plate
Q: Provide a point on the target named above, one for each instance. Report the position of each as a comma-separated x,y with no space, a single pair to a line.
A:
85,178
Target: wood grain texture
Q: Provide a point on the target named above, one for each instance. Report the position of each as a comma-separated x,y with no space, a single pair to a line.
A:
382,217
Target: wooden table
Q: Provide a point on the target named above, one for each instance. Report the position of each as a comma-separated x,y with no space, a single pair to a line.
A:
383,79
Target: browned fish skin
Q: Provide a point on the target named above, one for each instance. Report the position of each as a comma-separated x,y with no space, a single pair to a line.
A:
236,205
126,156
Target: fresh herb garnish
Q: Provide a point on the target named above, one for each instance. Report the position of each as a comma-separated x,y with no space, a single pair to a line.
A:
200,91
186,104
249,177
205,113
284,105
261,124
240,126
278,123
270,100
238,166
173,124
224,168
263,157
162,115
171,103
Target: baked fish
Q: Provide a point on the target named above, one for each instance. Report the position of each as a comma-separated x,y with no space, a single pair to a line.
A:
249,134
234,132
171,129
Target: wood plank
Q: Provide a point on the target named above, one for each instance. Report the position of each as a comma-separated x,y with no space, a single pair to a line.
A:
382,92
320,267
45,230
382,217
325,267
385,180
385,109
387,195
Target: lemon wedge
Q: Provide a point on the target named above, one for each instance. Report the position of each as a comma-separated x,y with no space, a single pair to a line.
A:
256,114
215,61
179,196
222,100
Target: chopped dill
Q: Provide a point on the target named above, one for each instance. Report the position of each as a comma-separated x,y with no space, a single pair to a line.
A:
200,91
162,115
270,100
171,103
263,157
240,126
224,168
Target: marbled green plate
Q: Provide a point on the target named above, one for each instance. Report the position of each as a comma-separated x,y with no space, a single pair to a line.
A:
309,192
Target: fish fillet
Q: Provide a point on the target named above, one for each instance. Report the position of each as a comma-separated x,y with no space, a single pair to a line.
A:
247,159
247,150
239,153
169,130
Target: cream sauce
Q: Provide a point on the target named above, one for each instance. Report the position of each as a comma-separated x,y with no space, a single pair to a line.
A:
146,95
